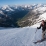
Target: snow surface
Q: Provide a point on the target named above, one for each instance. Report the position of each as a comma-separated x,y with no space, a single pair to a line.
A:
21,36
41,17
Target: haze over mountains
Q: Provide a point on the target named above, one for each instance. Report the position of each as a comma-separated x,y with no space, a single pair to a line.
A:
17,15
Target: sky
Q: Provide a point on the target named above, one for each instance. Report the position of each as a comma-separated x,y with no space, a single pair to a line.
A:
20,2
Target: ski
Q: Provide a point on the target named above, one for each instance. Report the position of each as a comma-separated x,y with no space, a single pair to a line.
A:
39,41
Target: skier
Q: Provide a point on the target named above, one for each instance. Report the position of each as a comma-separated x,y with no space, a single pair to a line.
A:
43,25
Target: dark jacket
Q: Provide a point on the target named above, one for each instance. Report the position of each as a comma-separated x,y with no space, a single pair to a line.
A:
43,26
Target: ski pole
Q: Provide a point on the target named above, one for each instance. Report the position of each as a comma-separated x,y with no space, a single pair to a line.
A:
36,30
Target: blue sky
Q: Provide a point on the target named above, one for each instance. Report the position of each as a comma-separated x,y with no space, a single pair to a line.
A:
12,2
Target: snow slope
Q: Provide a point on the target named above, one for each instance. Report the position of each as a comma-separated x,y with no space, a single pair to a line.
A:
41,17
21,36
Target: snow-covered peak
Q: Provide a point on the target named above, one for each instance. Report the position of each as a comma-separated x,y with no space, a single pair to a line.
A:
40,5
40,9
1,12
7,8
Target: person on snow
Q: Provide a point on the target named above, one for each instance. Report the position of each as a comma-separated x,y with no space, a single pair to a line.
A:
43,25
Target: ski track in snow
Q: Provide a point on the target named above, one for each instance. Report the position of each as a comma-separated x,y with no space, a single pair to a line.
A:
21,37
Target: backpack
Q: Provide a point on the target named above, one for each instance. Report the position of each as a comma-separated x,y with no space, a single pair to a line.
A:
45,23
44,20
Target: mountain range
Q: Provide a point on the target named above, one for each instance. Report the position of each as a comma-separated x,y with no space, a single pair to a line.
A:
20,15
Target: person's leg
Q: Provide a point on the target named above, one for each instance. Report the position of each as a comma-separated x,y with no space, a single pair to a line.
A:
43,34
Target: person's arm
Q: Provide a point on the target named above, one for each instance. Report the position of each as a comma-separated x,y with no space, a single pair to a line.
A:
39,27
